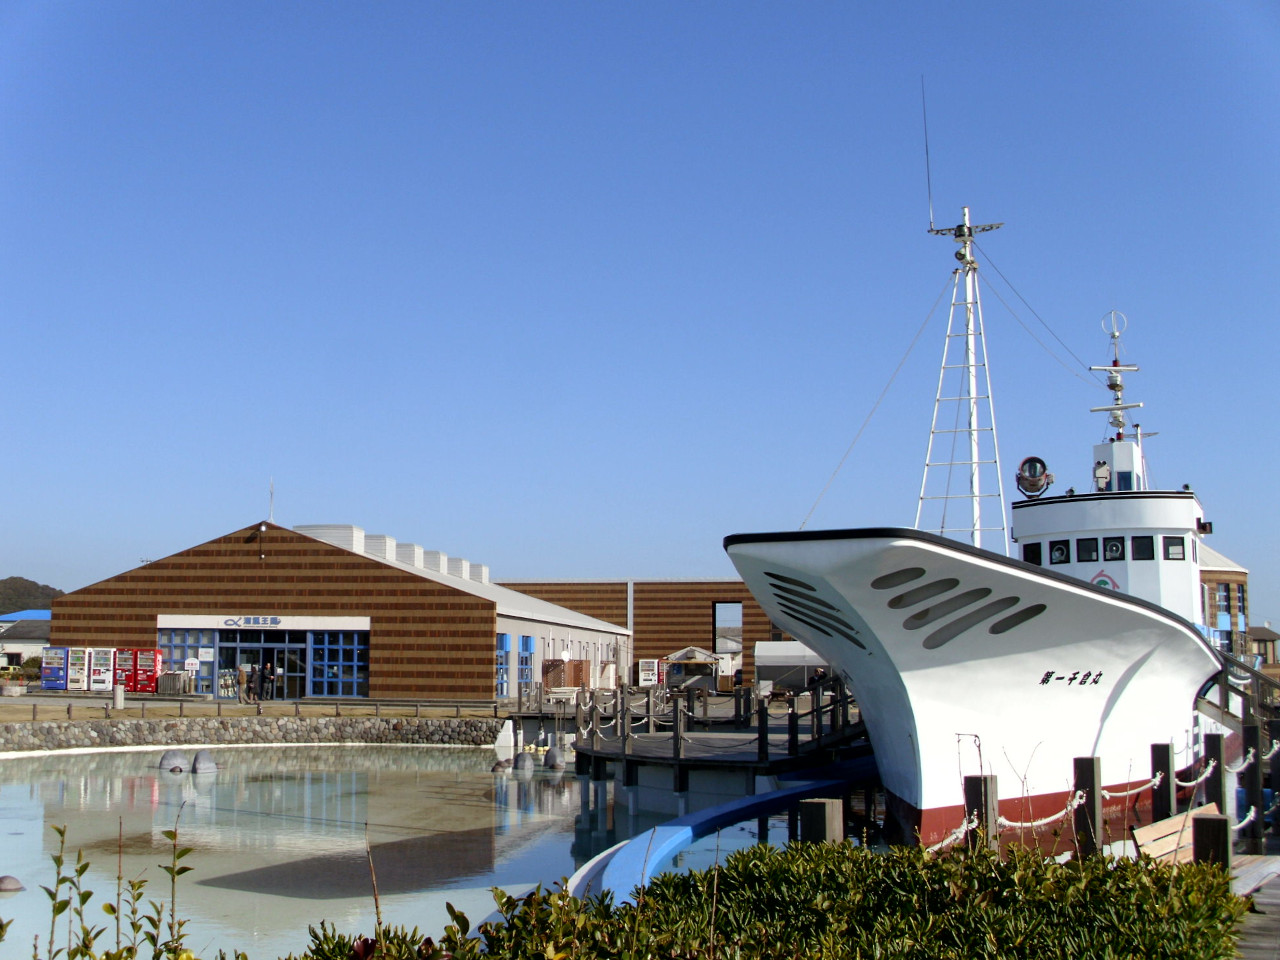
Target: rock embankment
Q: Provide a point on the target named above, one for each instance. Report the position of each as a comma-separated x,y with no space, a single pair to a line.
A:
70,734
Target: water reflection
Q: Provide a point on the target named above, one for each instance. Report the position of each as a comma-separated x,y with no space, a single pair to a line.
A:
284,838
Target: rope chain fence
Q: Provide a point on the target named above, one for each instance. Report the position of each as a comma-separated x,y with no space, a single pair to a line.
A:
1074,802
1150,784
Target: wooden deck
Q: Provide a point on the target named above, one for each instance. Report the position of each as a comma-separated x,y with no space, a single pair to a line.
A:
1260,930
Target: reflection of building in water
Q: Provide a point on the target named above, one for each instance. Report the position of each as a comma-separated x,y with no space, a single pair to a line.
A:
294,823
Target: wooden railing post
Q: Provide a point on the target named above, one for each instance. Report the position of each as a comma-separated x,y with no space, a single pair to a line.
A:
762,733
1164,795
1211,839
1252,776
677,731
651,716
624,723
982,801
793,730
1215,786
1088,816
1273,732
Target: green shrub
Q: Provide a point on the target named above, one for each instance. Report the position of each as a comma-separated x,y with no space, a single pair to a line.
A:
829,901
840,901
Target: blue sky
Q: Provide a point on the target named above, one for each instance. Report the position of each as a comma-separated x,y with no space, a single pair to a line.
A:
577,289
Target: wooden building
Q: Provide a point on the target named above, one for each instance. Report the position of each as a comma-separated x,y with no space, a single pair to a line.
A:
663,615
338,614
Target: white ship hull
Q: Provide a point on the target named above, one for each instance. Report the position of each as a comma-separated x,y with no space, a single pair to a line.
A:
966,662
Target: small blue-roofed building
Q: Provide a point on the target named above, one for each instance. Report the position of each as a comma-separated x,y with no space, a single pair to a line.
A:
23,634
26,615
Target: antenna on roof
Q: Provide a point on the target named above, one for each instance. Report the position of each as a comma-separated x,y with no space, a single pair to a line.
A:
271,500
928,179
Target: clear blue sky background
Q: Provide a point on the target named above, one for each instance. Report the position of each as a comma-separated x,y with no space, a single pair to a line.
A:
576,289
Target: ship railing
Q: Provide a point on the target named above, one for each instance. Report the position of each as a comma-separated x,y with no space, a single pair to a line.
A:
1256,691
1215,780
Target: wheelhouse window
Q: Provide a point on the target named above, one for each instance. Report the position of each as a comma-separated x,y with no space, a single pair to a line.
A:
1033,553
1175,548
1113,548
1144,548
1087,549
1059,551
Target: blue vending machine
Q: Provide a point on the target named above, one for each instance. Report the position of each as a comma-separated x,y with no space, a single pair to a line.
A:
53,668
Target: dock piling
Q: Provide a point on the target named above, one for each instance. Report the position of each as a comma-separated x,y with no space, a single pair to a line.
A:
762,736
821,820
980,801
1164,795
1252,782
1215,790
677,731
1087,817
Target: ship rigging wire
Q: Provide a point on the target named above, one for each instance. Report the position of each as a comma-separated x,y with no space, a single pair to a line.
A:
876,406
1093,379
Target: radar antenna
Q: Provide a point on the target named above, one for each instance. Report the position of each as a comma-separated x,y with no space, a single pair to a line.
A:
1114,324
962,441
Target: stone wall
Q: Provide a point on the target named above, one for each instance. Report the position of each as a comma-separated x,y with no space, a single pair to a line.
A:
193,731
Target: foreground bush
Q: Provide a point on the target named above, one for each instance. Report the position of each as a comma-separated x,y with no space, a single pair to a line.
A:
841,901
831,901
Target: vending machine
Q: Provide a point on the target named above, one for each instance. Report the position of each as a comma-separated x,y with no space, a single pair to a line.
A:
101,662
146,669
124,669
77,668
53,668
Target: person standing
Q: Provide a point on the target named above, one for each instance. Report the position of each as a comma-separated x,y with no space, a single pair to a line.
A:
269,680
255,684
242,683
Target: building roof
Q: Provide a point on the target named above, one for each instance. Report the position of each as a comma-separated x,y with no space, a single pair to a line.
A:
1264,634
786,653
26,615
26,631
1211,559
510,603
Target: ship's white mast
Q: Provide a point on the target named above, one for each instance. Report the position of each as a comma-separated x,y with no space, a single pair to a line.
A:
963,458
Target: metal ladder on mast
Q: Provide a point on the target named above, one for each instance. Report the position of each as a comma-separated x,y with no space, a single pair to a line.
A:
963,458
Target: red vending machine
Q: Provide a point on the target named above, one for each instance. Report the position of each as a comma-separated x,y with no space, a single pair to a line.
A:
123,671
146,668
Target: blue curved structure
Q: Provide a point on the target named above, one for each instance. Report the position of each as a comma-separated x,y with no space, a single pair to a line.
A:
630,865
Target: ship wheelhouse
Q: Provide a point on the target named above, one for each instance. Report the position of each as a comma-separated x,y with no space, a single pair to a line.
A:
1142,542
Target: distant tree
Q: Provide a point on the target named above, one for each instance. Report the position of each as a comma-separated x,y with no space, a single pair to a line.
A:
19,593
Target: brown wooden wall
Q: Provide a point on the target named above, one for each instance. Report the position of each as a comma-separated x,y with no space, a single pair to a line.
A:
426,639
668,614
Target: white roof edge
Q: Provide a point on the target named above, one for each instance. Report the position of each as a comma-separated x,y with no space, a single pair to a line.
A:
511,603
1211,559
622,580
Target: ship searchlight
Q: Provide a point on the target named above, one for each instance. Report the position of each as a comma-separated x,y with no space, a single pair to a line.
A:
1034,477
